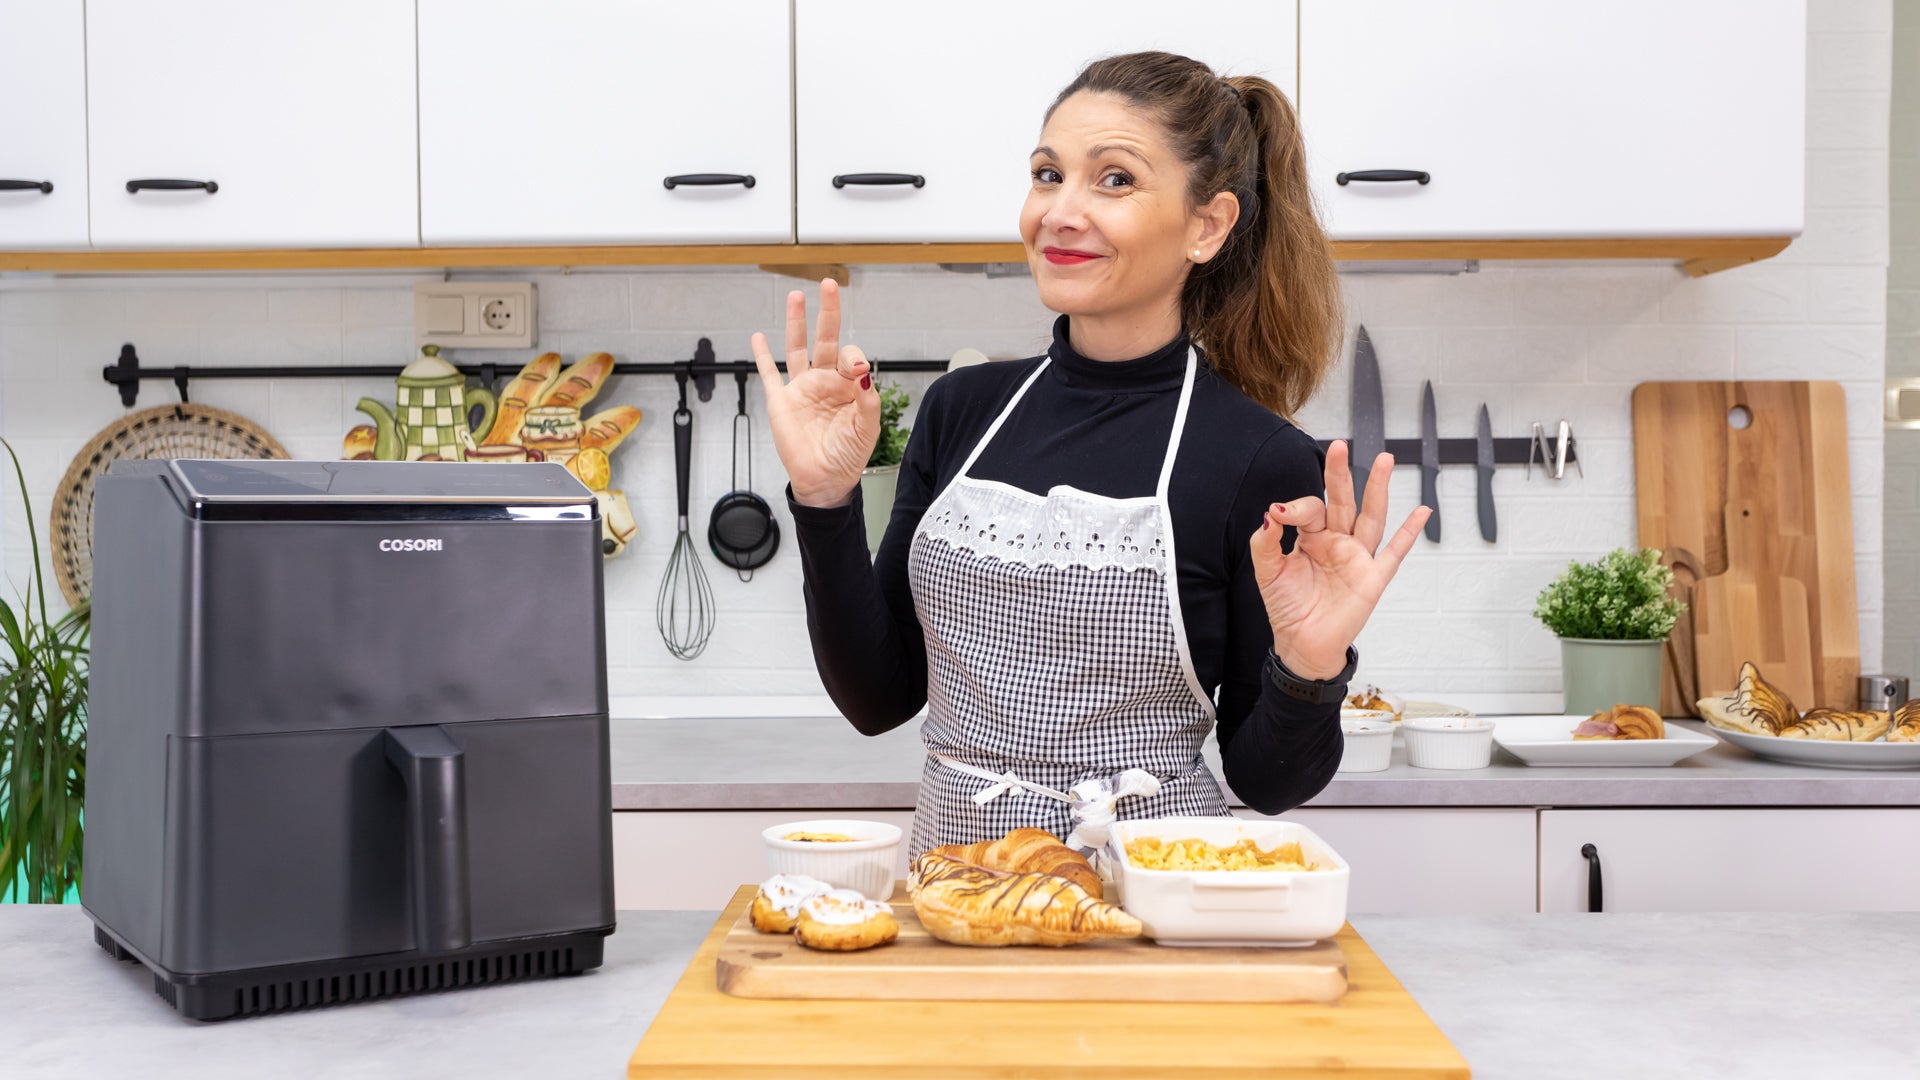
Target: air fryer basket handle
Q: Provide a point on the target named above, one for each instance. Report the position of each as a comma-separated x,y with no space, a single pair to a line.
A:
434,770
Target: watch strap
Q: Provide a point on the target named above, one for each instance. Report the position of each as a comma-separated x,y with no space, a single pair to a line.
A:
1313,691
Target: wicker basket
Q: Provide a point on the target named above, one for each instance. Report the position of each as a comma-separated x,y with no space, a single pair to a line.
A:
169,431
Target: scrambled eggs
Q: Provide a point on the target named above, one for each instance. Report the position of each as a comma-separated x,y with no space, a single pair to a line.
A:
1153,853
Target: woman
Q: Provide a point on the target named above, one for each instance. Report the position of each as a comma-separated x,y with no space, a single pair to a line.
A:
1087,545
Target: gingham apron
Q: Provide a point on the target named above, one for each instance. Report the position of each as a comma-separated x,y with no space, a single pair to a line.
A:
1056,654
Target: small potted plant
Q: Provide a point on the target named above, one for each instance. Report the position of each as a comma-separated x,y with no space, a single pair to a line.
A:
881,477
1612,617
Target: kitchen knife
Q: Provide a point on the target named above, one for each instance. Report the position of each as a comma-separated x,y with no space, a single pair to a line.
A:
1369,423
1483,462
1430,462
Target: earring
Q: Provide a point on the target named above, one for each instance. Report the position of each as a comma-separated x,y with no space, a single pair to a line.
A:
1196,254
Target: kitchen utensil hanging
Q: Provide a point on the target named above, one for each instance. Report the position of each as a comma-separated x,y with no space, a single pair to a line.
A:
684,609
742,531
167,431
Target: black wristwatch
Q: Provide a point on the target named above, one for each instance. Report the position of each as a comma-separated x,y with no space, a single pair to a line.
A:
1314,691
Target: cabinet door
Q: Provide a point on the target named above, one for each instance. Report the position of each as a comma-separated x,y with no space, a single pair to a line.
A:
301,111
1467,861
1732,860
1636,118
43,124
559,121
695,860
955,95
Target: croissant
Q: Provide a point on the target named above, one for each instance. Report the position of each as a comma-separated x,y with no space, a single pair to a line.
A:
1025,851
965,904
1755,706
1906,724
1835,725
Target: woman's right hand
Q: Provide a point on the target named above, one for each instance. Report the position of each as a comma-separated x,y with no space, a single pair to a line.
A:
825,414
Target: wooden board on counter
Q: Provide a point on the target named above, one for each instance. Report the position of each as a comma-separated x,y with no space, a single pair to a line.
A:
1376,1030
1762,519
919,967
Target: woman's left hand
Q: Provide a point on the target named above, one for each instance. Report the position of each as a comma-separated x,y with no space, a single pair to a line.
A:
1321,594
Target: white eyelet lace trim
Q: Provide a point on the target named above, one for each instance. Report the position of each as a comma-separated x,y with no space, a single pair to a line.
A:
1065,529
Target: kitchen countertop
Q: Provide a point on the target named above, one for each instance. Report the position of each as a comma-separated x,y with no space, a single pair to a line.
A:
820,762
1524,996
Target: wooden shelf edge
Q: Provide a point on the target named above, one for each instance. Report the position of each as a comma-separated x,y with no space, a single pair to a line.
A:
1695,255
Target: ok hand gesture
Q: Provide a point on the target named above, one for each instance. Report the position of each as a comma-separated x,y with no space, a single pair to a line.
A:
825,414
1321,594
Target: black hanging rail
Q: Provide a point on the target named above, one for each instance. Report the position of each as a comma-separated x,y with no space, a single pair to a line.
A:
127,372
1466,451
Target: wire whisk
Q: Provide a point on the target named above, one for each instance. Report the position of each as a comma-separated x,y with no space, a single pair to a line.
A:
684,609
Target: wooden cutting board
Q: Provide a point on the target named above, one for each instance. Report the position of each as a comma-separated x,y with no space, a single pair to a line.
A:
919,967
1766,514
1376,1030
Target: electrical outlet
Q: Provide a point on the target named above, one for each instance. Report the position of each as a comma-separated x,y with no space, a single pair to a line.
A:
474,314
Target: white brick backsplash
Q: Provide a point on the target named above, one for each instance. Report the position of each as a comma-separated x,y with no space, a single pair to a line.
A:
735,300
1430,641
1849,61
1846,120
197,306
1848,295
1478,299
583,302
1846,178
1589,296
1834,237
1758,293
1850,16
379,307
46,304
377,345
1531,645
1799,352
1549,354
1585,527
266,344
304,305
1664,353
1496,584
305,407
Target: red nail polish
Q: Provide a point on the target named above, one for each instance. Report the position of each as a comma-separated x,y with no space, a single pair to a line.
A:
866,382
1279,511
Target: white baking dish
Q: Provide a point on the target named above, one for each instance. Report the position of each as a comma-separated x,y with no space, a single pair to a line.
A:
1231,907
864,864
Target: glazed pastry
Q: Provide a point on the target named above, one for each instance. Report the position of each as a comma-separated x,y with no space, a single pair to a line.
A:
964,904
523,393
1025,851
777,905
1622,722
842,920
1906,724
577,385
1837,725
1755,706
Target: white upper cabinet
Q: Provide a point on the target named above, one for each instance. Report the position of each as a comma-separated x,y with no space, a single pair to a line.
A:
43,124
1635,118
286,124
944,104
582,121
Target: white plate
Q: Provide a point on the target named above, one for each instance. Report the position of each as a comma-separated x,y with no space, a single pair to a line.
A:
1548,740
1831,755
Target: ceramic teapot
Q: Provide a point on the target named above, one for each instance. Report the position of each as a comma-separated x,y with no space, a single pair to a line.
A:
430,413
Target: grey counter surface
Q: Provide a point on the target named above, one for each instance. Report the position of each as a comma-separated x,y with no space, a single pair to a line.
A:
1527,996
766,763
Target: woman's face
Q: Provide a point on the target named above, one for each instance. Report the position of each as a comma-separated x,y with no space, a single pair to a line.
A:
1107,225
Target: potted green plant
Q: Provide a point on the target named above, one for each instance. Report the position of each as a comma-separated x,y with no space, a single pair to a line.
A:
1612,617
881,478
43,738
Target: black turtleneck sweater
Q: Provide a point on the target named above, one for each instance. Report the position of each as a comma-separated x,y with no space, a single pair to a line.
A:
1100,426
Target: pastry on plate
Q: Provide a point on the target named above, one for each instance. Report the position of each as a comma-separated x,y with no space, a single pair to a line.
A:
1622,722
776,907
965,904
1373,699
1837,725
1029,851
841,920
1756,706
1906,723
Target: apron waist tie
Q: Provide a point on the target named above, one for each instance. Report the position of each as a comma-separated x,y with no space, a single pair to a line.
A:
1091,801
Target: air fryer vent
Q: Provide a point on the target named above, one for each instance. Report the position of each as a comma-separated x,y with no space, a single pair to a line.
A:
400,979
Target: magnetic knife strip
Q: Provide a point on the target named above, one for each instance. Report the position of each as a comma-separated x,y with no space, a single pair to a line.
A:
1465,452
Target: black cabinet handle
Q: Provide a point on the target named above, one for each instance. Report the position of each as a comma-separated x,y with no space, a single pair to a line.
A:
45,187
707,179
433,770
879,178
171,185
1385,175
1593,877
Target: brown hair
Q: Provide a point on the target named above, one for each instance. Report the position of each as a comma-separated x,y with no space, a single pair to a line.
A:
1267,307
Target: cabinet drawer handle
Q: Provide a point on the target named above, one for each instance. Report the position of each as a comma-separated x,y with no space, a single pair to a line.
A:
1382,175
44,187
171,185
1593,877
879,178
707,179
